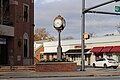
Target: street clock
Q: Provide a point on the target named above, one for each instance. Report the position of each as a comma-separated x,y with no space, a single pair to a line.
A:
59,23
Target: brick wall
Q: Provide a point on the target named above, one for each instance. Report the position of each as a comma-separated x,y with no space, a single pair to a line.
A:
56,67
20,28
38,52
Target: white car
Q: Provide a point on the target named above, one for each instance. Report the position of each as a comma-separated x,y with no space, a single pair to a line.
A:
105,62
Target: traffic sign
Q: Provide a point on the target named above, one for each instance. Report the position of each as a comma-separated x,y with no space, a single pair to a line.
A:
117,8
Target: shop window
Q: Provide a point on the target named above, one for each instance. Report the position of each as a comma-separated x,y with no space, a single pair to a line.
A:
108,54
47,56
41,56
26,13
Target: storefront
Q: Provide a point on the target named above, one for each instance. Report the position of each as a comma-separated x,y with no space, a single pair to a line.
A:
95,47
107,51
75,56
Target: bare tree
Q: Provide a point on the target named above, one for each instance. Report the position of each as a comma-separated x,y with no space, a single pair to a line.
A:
42,34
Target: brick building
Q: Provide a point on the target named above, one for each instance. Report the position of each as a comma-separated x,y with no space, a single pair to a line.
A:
16,32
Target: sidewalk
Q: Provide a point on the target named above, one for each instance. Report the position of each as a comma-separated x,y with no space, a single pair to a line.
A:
31,74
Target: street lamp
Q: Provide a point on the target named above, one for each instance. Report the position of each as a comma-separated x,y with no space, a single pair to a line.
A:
59,24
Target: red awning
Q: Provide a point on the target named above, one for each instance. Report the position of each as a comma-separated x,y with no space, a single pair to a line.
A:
115,49
106,49
96,49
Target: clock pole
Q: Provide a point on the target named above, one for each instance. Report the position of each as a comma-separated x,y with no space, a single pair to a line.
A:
59,24
59,48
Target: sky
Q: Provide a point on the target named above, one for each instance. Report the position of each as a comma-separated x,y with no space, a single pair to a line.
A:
98,24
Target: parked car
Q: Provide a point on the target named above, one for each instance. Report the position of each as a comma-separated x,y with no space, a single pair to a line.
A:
105,62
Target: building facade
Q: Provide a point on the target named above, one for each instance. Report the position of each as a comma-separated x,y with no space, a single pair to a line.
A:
38,51
95,48
16,32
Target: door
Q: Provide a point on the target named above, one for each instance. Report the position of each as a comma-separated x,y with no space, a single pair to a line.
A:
100,62
3,54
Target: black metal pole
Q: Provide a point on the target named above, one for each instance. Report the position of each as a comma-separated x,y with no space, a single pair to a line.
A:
59,48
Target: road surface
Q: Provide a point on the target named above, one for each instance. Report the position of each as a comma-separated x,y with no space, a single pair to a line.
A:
69,78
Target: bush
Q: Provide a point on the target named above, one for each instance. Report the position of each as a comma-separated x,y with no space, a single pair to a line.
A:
56,60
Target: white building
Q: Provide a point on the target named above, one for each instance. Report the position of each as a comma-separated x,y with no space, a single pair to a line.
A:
95,47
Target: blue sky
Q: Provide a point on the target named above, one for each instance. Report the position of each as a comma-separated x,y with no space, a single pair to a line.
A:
47,10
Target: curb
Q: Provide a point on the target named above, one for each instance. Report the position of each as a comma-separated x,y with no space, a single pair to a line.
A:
89,75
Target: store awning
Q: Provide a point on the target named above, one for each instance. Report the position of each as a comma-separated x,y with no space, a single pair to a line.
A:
77,51
115,49
96,49
107,49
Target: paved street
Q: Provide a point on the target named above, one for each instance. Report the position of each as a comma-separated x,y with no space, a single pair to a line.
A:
90,72
69,78
103,69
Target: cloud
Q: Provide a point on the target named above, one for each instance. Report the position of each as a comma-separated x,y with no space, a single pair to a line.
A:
49,1
47,10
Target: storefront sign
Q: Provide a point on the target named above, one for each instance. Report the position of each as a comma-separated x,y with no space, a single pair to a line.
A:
6,30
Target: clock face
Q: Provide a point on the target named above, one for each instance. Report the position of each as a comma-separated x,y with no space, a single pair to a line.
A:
57,23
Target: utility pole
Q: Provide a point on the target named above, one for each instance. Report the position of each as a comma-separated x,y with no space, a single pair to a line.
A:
82,36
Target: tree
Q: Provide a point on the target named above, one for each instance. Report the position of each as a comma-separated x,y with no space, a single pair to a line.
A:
42,34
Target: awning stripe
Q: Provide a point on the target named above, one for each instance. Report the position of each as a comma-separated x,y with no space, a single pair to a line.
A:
96,49
107,49
115,49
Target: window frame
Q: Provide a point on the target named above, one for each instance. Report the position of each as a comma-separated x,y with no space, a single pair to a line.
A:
28,15
26,37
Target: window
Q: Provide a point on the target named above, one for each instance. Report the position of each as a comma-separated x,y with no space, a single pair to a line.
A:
26,13
110,59
41,56
25,45
25,48
102,59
